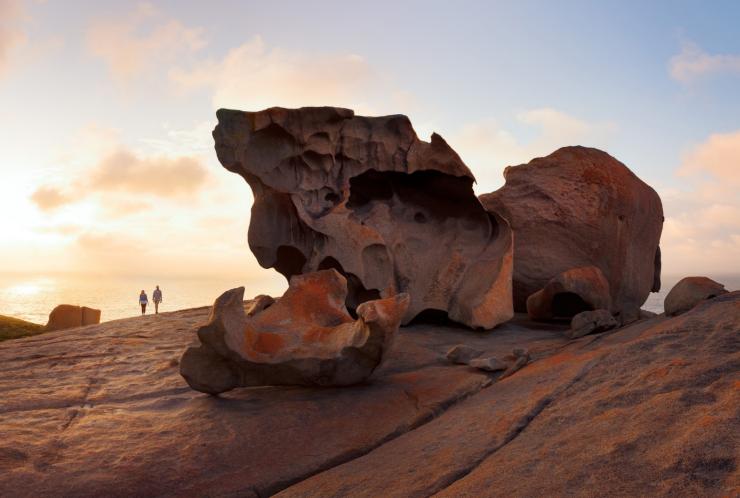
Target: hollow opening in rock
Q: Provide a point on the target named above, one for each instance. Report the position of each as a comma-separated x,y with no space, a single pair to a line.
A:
568,304
356,292
289,261
435,317
439,195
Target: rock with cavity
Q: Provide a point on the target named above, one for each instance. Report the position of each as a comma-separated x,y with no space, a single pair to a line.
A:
67,316
590,322
581,207
570,293
689,292
365,196
306,338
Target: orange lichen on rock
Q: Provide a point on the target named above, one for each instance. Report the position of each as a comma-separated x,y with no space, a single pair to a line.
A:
306,338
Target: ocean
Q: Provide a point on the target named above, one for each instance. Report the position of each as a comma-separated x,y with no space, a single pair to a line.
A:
32,297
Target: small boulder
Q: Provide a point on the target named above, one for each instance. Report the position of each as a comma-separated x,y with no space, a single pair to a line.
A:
306,338
689,292
569,293
67,316
462,354
589,322
490,364
517,360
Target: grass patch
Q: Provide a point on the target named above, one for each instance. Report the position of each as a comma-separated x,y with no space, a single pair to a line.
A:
14,328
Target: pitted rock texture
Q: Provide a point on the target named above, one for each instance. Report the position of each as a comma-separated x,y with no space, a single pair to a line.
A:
570,293
581,207
305,338
365,196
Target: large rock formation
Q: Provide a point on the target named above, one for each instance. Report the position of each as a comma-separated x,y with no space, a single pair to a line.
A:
306,338
66,316
365,196
581,207
689,292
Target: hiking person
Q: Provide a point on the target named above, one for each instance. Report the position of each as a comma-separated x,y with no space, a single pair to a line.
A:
143,301
157,298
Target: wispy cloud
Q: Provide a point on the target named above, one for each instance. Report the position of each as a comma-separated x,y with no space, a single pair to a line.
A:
129,174
11,34
160,176
702,226
718,156
141,41
694,63
49,198
488,147
253,76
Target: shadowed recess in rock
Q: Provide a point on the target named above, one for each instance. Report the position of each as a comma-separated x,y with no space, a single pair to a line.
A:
568,304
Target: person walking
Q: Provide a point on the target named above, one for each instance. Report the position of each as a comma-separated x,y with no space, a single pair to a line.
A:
157,298
143,301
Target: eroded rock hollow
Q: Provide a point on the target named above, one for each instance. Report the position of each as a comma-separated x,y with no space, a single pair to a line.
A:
365,196
581,207
305,338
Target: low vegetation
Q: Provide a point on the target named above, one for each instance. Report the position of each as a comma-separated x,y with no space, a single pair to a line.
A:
14,328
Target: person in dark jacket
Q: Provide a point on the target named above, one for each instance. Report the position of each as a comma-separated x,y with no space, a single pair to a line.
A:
157,298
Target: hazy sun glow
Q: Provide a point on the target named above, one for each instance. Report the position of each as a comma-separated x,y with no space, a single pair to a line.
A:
29,288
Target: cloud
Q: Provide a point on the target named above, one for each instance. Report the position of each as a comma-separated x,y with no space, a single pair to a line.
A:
718,156
11,35
129,181
50,198
702,227
141,42
160,176
487,147
694,63
253,77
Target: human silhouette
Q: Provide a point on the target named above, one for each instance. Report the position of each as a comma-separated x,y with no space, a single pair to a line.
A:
143,301
157,298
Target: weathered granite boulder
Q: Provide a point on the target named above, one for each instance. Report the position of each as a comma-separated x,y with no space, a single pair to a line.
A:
581,207
488,364
365,196
67,316
689,292
589,322
305,338
570,293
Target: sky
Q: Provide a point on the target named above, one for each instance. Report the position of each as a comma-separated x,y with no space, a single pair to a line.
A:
106,109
